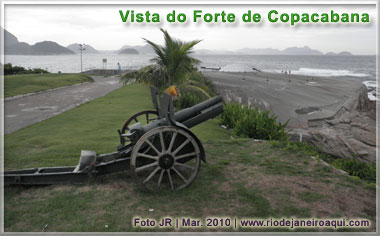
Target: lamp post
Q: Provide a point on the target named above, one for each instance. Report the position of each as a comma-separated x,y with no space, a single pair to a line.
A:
81,49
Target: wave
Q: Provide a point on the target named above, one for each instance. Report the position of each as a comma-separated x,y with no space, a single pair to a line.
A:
301,71
236,68
370,83
372,89
327,72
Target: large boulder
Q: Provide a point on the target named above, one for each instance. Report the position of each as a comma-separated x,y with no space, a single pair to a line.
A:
350,133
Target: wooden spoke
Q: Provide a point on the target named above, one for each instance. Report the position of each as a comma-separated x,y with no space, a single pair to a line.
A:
183,165
179,174
151,174
170,180
184,155
146,166
181,146
163,148
172,142
160,178
152,146
147,156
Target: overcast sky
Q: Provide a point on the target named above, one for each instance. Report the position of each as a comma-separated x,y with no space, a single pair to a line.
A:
101,27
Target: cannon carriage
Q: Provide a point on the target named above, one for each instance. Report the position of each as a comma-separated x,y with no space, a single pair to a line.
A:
156,146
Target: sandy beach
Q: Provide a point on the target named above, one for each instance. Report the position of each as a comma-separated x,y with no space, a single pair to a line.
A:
332,113
294,97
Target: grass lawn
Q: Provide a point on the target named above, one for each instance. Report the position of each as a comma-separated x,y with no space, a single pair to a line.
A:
30,83
242,178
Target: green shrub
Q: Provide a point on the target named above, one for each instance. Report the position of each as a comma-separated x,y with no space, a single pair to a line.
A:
233,112
197,79
253,123
197,88
357,168
187,99
13,70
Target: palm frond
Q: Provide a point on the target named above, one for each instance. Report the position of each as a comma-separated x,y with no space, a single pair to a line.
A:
172,63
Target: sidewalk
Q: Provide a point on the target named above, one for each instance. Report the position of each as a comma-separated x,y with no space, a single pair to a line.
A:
24,111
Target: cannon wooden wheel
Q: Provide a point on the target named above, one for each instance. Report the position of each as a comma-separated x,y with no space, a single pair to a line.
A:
144,117
172,162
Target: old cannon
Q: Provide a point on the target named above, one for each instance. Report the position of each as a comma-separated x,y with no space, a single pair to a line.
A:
157,146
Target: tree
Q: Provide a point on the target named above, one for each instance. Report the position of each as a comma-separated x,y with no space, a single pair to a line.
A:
173,64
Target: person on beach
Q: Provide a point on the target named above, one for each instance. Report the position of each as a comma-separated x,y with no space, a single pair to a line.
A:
118,68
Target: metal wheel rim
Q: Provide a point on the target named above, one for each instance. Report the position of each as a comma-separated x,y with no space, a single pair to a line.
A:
146,115
175,177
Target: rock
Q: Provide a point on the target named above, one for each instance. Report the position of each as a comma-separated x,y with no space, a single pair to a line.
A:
364,136
350,133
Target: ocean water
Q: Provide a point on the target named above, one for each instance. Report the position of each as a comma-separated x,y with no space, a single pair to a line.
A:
360,67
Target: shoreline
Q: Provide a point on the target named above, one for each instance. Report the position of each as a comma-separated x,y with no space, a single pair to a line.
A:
327,112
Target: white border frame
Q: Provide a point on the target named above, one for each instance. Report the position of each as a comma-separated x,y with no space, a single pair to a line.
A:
195,2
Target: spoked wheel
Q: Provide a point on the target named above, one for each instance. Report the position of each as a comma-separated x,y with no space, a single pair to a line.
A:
144,117
172,162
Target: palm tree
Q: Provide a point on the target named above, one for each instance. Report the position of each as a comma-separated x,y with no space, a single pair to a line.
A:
173,65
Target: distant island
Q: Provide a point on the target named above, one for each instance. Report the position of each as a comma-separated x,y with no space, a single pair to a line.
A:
88,49
129,51
344,53
146,49
12,46
272,51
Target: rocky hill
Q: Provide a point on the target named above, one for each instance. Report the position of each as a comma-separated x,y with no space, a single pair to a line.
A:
129,51
88,49
12,46
344,53
146,49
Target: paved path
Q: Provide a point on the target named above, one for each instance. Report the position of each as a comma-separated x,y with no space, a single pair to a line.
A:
24,111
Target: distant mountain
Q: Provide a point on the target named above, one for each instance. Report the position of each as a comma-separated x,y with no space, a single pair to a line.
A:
88,49
129,51
215,52
13,47
266,51
9,39
259,51
300,51
272,51
146,49
49,48
345,53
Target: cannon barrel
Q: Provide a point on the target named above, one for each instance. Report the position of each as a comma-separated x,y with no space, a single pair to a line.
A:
194,115
201,112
